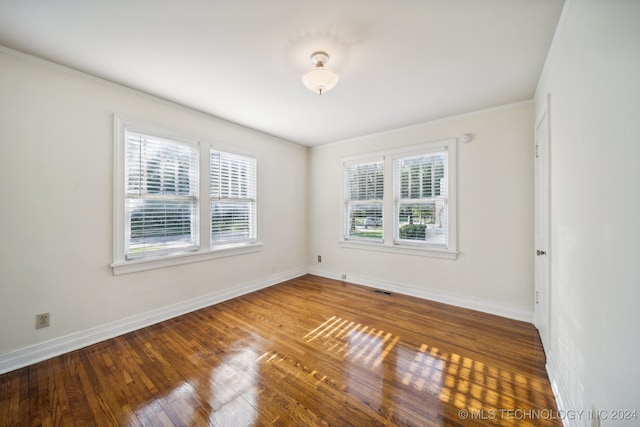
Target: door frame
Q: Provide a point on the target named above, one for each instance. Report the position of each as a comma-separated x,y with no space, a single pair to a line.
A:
542,262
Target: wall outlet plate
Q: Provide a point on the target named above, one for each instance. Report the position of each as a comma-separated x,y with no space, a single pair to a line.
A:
595,417
42,320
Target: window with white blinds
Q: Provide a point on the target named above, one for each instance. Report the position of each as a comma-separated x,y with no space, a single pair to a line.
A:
178,200
161,196
364,198
420,214
233,198
421,199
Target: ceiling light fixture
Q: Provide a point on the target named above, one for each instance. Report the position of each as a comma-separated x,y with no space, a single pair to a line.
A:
320,80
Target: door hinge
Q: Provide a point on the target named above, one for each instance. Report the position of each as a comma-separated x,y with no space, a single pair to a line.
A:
537,151
537,297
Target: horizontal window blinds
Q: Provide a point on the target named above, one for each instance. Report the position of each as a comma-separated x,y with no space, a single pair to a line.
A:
161,196
364,194
421,198
233,198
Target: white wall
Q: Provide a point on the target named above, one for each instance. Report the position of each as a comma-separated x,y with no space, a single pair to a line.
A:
56,170
494,270
593,78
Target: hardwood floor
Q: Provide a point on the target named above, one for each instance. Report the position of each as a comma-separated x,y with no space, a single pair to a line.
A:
310,351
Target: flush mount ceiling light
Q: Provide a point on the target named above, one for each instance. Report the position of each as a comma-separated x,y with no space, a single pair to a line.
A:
320,80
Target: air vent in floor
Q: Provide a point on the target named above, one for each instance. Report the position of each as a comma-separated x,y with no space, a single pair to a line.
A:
380,291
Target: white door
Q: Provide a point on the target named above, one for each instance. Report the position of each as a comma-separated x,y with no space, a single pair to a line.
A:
542,227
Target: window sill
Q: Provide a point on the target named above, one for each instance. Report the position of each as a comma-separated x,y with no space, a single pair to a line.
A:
397,249
124,267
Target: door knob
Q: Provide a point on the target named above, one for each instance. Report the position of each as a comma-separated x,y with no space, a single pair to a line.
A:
539,252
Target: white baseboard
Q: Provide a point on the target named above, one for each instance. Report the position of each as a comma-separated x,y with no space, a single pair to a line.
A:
559,388
42,351
485,306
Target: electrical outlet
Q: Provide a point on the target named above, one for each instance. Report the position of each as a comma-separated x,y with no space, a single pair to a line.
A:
319,258
595,417
42,320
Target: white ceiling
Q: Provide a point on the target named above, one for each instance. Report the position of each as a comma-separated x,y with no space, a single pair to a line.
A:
400,62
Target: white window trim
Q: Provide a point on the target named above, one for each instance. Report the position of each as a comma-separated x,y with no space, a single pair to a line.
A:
390,245
170,260
226,245
204,252
358,160
400,249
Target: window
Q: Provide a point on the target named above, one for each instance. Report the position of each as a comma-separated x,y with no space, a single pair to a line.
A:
168,209
161,196
364,195
422,206
233,198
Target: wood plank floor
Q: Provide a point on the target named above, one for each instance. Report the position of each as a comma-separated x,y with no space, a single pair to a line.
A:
309,351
